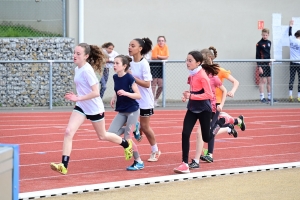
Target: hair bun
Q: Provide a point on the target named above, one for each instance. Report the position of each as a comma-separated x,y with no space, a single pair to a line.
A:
128,58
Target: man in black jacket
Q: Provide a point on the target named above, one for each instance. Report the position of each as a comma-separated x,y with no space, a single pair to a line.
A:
263,51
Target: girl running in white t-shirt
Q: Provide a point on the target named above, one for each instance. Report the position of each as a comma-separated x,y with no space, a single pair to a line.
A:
88,104
140,70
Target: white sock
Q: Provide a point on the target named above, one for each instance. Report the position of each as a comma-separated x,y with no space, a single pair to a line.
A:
239,121
139,160
196,160
291,93
210,154
154,148
269,95
228,129
262,96
298,94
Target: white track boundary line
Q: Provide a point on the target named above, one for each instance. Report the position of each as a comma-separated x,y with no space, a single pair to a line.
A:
152,180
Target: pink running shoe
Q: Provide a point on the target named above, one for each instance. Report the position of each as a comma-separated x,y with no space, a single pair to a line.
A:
182,169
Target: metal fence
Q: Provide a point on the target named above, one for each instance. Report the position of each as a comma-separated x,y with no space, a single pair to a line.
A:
32,18
35,83
44,83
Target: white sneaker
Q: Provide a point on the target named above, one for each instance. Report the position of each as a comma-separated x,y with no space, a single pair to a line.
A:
154,156
156,104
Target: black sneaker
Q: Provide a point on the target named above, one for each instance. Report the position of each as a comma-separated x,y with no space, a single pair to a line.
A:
242,125
193,165
208,158
202,158
233,131
264,100
274,101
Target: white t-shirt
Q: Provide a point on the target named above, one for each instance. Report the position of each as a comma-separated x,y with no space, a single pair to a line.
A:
84,79
148,56
141,70
294,48
111,56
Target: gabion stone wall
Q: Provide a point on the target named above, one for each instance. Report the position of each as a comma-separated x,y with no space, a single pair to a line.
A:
27,84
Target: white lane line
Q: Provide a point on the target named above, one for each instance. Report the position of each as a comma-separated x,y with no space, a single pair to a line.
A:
158,135
154,127
153,180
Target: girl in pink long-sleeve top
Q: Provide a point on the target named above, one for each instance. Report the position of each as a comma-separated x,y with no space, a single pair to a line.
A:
198,107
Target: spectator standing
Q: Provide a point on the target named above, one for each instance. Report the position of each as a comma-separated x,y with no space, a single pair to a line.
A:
159,52
263,51
108,48
294,66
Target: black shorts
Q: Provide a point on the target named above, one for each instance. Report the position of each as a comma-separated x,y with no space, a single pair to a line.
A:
156,69
146,112
266,70
93,118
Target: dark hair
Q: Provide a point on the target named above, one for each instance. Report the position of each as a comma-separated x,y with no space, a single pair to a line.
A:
210,69
125,61
197,56
107,44
96,56
297,34
161,37
146,45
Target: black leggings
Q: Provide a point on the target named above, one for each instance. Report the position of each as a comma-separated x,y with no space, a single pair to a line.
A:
189,122
211,143
294,67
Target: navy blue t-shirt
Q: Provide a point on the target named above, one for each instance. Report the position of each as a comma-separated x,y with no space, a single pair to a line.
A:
124,103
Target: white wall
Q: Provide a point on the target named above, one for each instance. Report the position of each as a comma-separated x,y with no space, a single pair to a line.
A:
230,26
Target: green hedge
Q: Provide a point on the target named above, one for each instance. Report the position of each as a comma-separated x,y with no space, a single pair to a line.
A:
23,31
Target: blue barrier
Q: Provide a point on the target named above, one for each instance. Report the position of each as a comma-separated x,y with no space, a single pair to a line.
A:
15,170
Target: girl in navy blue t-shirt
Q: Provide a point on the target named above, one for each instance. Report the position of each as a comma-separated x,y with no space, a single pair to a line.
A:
124,102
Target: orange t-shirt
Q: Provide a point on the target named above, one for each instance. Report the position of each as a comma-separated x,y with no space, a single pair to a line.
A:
223,73
159,51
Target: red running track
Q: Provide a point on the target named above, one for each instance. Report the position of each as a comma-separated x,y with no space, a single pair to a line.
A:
272,136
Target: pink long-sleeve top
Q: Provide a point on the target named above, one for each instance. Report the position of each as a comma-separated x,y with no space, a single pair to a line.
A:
200,92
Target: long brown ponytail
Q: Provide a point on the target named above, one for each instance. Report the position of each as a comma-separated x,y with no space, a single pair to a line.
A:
96,56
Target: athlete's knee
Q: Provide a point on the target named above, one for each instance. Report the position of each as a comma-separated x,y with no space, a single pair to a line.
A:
69,133
185,135
205,137
102,136
186,132
145,130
